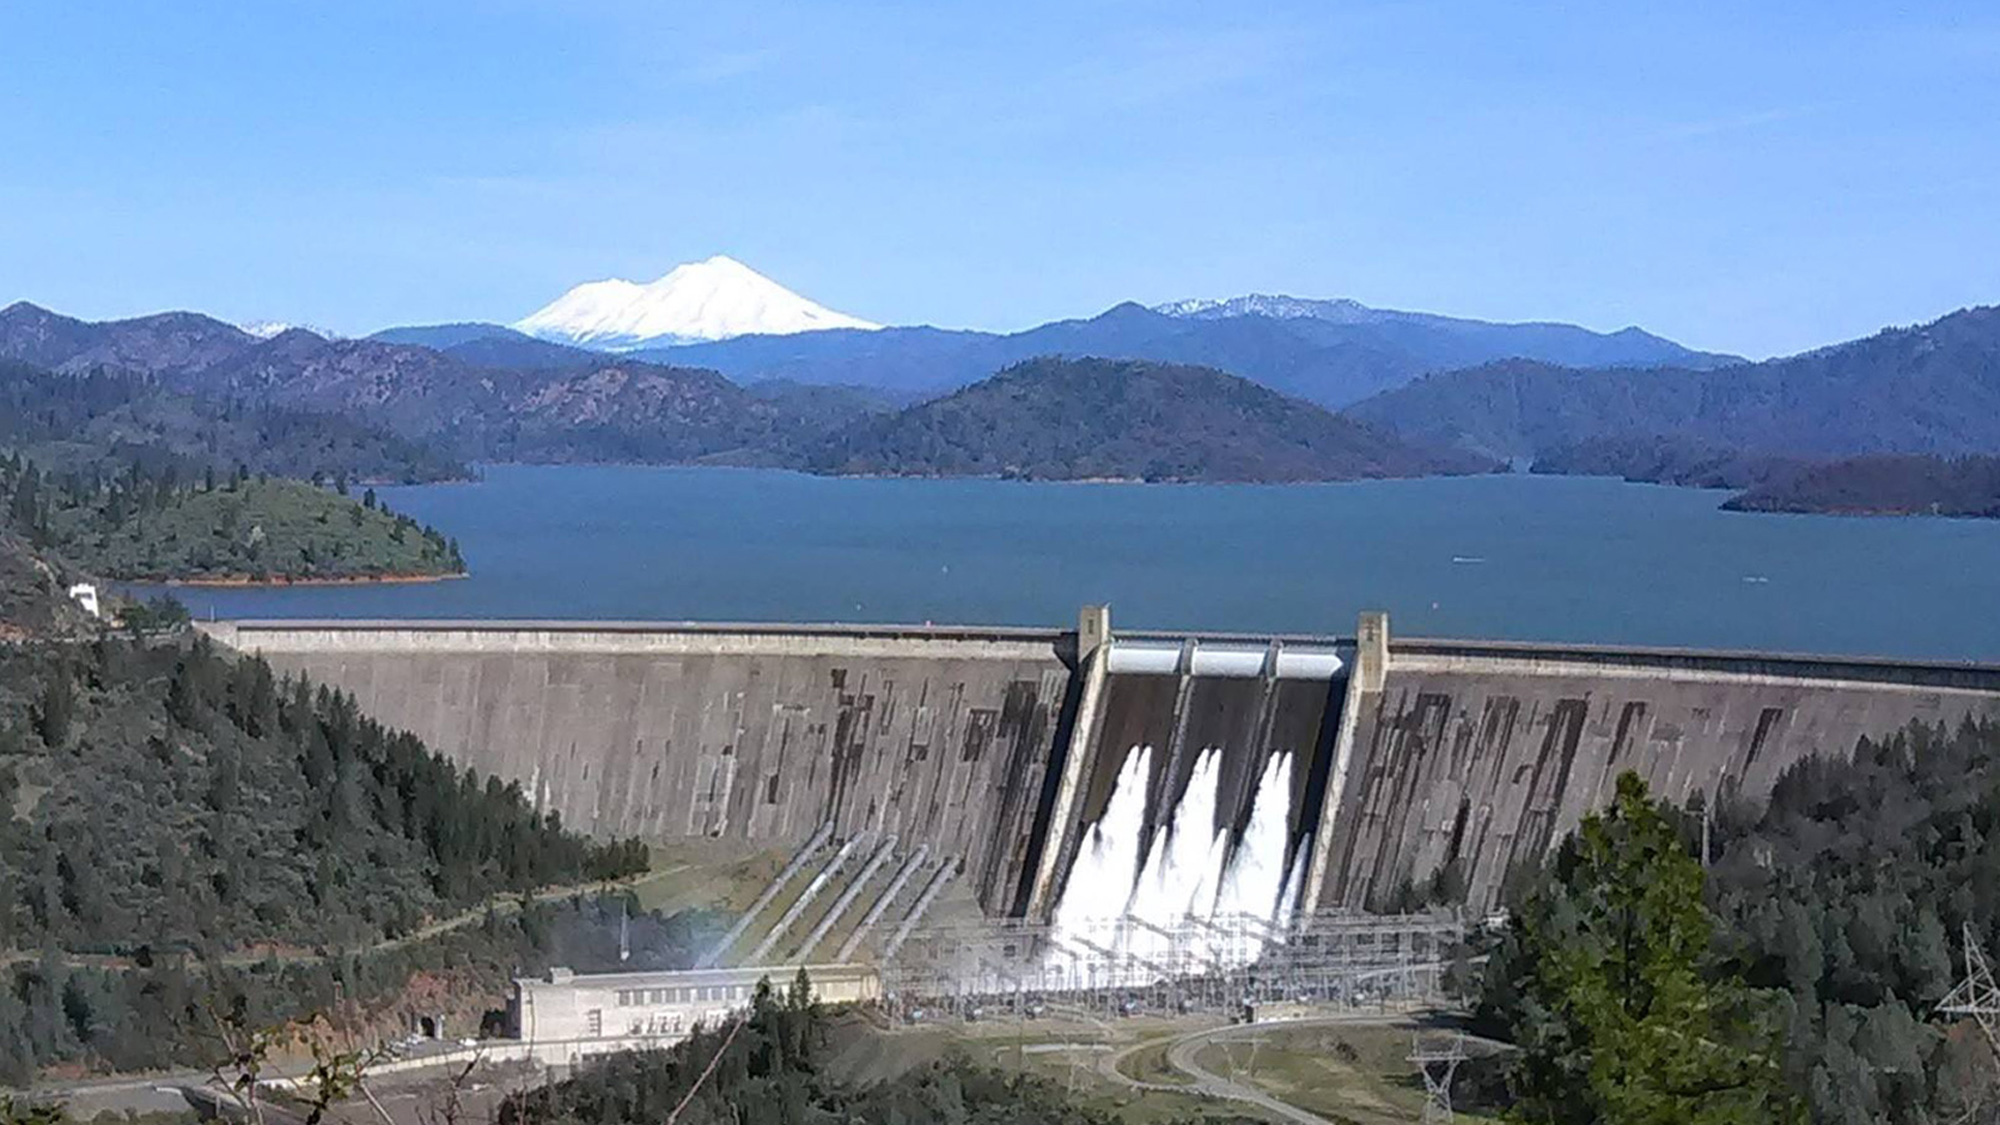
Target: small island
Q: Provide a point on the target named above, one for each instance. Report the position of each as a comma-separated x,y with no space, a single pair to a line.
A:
241,529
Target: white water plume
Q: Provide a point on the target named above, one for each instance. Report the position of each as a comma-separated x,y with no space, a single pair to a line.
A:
1100,883
1181,872
1255,880
1149,910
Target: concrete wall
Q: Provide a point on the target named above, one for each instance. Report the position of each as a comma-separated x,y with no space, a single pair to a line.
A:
939,736
1487,753
962,739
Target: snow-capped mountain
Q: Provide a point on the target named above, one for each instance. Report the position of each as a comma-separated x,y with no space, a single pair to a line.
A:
710,300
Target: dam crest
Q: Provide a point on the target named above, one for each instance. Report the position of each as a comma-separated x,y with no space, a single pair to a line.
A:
1151,773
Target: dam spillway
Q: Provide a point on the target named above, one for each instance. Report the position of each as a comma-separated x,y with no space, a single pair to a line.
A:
1003,751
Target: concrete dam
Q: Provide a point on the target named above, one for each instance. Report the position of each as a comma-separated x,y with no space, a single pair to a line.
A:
1060,772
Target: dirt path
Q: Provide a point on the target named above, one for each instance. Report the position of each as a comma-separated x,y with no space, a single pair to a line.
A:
505,904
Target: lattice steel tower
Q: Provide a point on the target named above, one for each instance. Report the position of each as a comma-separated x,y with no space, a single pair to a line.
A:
1976,995
1437,1061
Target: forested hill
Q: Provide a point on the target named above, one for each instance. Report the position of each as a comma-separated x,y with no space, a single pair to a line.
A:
1939,486
113,476
142,526
166,812
1090,419
1931,389
74,422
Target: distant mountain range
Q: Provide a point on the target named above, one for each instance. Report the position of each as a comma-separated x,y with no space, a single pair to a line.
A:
723,315
1334,356
1048,418
1931,389
852,400
602,407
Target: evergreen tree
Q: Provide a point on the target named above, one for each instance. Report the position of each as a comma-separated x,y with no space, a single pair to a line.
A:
57,707
1625,1018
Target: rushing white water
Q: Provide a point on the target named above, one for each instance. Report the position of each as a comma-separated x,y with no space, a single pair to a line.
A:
1179,878
1100,882
1294,882
1138,907
1255,879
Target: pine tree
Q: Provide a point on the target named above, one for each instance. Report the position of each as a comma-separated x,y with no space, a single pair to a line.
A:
1624,1018
57,707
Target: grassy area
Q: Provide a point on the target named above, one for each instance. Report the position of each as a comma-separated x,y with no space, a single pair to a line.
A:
1077,1063
1075,1054
707,873
1359,1074
1149,1064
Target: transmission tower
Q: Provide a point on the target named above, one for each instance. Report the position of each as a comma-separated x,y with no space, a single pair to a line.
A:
1437,1061
1976,995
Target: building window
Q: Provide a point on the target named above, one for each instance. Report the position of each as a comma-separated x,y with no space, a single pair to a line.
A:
593,1022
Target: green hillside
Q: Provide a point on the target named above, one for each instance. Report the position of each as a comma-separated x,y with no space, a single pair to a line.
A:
181,829
138,527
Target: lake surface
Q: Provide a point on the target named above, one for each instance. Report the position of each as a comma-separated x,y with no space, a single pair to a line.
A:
1495,557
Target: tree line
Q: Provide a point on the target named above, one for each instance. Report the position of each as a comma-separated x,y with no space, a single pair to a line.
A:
1797,976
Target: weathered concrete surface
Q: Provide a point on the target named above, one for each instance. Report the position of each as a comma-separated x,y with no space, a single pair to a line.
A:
1487,753
983,745
938,736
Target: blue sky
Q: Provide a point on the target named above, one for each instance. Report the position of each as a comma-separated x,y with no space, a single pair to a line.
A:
1756,177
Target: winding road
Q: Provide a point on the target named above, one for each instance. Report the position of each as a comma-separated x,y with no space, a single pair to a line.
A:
1182,1049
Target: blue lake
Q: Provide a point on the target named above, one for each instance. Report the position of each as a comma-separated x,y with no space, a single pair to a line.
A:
1503,557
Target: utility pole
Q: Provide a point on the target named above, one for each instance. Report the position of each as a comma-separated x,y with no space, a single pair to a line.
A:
1437,1061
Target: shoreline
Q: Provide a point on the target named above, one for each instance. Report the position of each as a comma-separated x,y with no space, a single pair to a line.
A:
244,581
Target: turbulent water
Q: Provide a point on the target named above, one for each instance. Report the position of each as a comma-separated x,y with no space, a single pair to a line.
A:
1148,910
